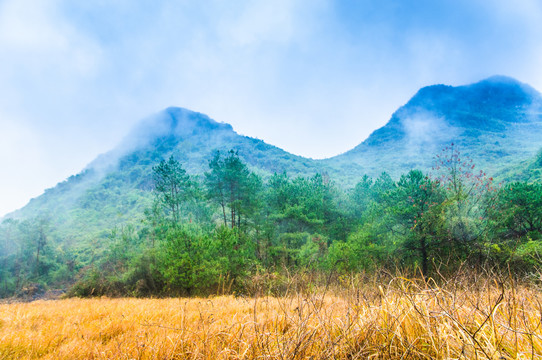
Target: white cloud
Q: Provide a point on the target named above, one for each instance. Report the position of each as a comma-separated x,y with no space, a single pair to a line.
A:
260,22
21,165
297,73
25,26
34,35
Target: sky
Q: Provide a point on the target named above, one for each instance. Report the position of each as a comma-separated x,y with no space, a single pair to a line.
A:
314,77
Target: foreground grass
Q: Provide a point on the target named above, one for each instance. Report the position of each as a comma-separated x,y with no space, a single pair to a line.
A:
401,320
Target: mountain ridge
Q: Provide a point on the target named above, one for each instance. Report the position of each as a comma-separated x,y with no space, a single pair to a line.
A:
496,118
440,114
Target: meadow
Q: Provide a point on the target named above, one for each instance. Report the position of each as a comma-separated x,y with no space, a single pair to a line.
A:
351,318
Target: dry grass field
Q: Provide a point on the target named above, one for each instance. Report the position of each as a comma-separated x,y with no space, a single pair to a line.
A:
399,319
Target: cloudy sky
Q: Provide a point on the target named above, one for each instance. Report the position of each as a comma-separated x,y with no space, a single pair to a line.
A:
314,77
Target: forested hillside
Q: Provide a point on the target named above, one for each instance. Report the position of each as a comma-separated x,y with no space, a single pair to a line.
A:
497,121
185,204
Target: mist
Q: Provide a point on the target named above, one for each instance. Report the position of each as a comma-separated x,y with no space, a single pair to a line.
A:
312,77
426,133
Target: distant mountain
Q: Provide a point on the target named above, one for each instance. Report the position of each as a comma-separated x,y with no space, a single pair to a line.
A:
115,188
193,138
497,122
529,170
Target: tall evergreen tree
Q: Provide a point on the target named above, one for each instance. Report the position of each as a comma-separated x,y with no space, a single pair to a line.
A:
172,187
231,185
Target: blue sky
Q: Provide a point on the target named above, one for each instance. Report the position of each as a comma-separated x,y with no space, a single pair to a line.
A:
314,77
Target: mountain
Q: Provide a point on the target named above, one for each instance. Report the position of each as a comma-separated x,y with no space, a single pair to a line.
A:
497,122
529,170
115,188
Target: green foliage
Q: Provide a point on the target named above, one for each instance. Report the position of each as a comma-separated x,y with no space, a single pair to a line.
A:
215,235
172,187
497,121
233,187
363,251
469,195
518,209
415,205
177,259
528,255
302,204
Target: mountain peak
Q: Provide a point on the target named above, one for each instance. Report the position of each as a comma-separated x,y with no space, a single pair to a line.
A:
500,79
505,88
181,121
498,89
497,122
173,121
500,112
490,95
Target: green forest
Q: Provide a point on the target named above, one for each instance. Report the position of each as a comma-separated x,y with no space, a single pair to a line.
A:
232,231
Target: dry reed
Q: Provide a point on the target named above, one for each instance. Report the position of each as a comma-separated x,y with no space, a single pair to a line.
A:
399,319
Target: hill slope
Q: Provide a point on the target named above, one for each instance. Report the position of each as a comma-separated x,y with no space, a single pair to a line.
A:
497,122
115,187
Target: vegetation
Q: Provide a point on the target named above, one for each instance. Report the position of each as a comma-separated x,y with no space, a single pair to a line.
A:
497,121
349,317
200,235
166,214
326,266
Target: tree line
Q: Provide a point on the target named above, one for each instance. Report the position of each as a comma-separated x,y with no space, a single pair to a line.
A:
223,230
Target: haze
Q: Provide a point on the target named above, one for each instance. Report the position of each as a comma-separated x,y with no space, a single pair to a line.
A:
312,77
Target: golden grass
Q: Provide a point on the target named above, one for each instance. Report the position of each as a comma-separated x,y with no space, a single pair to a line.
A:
399,320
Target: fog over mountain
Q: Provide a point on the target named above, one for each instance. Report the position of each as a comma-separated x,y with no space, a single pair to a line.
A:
75,76
496,122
